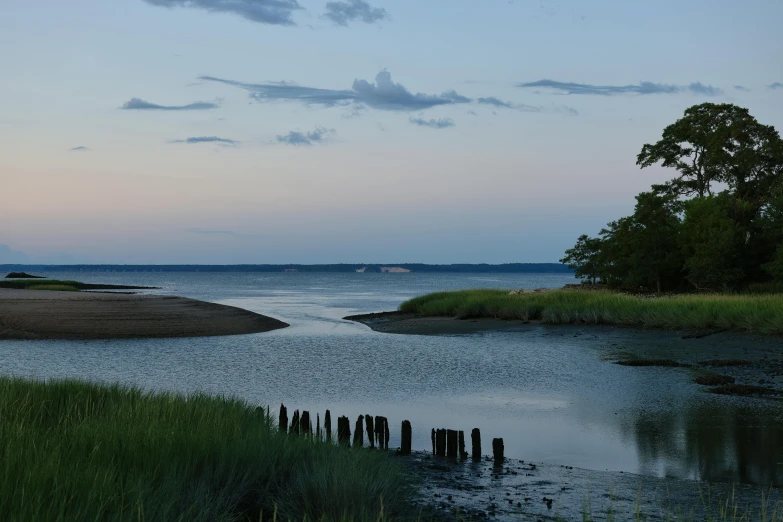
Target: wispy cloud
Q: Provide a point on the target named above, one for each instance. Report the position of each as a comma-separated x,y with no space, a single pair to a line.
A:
354,10
206,139
441,123
305,139
137,104
741,88
383,94
775,86
641,88
273,12
80,148
491,100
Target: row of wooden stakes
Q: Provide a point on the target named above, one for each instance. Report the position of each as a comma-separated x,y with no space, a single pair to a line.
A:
445,443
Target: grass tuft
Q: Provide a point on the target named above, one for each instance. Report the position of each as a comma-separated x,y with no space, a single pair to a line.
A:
76,451
668,363
743,389
751,313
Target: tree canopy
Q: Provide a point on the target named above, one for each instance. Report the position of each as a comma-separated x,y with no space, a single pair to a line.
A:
718,224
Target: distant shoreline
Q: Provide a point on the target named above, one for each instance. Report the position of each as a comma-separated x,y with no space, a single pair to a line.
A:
40,314
468,268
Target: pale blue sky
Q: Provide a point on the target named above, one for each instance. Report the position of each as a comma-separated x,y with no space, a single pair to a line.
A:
403,131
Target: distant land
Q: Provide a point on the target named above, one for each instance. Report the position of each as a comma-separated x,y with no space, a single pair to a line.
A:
555,268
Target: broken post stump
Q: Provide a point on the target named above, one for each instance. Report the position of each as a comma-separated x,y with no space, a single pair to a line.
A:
432,436
379,431
358,433
406,438
283,419
294,430
451,443
318,426
328,426
462,452
370,430
475,439
440,443
304,423
497,450
344,430
386,433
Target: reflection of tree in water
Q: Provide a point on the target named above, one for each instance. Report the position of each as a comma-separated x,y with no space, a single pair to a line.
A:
717,443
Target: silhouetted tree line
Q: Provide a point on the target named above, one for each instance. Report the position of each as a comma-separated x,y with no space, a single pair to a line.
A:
717,225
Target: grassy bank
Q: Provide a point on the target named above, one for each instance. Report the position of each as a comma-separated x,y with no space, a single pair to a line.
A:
77,451
762,314
54,284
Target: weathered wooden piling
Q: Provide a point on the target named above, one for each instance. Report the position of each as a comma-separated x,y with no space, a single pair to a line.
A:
344,431
432,436
462,453
294,430
370,430
304,424
406,438
451,443
440,443
283,419
497,450
328,426
318,427
475,439
358,433
379,431
386,433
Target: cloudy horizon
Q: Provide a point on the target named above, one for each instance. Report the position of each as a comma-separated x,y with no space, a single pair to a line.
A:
298,131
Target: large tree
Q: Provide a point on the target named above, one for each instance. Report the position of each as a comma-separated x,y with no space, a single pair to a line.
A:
718,143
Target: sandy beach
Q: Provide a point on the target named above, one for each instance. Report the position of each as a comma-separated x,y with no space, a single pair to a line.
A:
40,314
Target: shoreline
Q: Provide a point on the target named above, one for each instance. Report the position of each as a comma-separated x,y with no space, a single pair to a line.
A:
37,314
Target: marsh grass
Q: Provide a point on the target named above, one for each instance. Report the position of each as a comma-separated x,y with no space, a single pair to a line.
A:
714,379
56,287
751,313
38,284
76,451
667,363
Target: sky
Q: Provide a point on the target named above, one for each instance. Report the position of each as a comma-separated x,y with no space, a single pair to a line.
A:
357,131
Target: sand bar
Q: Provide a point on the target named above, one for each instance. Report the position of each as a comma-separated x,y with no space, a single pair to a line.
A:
43,314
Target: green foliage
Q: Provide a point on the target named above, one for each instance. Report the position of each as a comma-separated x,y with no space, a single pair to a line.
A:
712,243
726,241
77,451
761,314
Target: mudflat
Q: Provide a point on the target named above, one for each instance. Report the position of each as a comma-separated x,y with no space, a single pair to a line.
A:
43,314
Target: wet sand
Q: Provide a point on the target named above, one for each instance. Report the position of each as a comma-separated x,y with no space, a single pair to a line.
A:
43,314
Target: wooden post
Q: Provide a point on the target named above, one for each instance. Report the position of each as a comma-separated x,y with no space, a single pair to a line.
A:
344,431
283,419
475,439
318,426
432,436
406,438
451,443
304,423
462,452
358,433
379,431
386,432
497,450
294,430
370,430
328,426
440,443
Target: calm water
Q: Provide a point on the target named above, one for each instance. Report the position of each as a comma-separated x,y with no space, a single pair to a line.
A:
549,392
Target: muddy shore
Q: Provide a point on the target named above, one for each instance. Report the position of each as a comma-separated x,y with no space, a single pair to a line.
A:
40,314
522,490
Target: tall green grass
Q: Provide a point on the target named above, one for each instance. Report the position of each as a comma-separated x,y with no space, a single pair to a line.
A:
76,451
752,313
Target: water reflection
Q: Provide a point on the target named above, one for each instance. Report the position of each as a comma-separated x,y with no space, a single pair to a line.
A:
714,443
